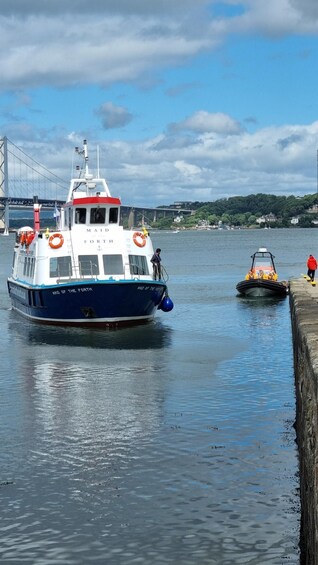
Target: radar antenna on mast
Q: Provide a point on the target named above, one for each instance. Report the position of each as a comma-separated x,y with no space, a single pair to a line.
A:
83,152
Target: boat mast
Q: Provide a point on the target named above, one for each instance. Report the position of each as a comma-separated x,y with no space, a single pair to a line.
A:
85,156
97,161
83,152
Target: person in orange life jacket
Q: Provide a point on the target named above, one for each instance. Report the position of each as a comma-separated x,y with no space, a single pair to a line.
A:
312,266
156,260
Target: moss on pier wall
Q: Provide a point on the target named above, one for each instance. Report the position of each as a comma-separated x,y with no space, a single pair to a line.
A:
304,317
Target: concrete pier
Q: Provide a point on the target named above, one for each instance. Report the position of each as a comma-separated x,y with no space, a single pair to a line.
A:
304,317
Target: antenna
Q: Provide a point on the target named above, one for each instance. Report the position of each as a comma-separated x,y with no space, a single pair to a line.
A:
85,153
98,162
86,156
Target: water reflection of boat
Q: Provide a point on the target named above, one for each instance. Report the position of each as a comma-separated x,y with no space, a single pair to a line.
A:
262,278
153,336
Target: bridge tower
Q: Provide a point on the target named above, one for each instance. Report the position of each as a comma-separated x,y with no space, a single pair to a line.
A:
4,185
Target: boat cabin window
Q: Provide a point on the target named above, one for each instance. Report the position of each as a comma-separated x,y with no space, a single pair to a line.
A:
113,215
28,267
68,217
88,265
25,265
98,215
113,265
32,267
80,215
60,267
138,265
263,263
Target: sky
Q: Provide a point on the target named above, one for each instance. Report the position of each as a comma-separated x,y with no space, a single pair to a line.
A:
183,100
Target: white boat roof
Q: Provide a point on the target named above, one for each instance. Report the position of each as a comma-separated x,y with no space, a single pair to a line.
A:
24,229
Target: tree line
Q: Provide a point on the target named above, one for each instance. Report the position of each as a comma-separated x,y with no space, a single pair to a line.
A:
245,210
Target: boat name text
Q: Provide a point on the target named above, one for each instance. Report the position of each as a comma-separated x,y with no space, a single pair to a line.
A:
98,241
72,290
97,230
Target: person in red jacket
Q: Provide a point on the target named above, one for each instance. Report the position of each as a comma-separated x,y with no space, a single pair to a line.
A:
312,266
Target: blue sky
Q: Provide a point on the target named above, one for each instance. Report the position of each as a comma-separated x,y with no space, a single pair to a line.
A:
187,100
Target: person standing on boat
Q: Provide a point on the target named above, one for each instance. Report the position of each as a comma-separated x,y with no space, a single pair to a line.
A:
312,266
156,260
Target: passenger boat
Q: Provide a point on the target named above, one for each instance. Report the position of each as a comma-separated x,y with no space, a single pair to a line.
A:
262,279
90,271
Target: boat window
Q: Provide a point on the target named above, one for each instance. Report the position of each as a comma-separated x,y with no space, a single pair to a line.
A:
98,215
32,267
35,298
113,265
60,266
27,266
80,215
138,265
265,263
88,265
20,266
113,215
38,300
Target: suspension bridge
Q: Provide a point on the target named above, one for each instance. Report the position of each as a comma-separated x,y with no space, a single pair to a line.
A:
22,178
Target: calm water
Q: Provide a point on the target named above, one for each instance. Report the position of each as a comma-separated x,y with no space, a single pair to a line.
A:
168,443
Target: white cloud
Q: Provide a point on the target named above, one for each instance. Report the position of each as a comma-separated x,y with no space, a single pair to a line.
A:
275,18
99,51
187,170
62,43
275,160
202,121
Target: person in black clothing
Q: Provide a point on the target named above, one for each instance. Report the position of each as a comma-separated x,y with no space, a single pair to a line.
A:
156,260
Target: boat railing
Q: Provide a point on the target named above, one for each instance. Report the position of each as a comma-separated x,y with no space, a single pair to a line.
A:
164,274
86,271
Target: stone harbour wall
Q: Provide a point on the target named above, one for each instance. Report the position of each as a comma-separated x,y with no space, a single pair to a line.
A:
304,319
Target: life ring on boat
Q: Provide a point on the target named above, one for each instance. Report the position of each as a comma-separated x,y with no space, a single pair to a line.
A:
56,244
139,239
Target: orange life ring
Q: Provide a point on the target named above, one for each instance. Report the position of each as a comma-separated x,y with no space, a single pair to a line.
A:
139,239
59,243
